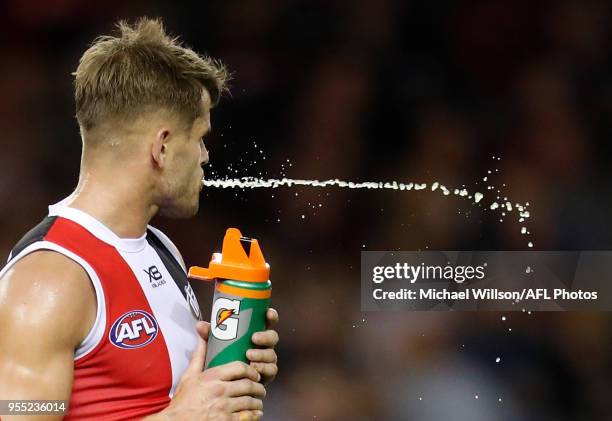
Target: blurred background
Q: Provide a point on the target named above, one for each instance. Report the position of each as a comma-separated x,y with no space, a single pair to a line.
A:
368,90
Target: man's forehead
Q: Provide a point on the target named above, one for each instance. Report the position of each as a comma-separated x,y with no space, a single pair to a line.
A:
205,100
205,104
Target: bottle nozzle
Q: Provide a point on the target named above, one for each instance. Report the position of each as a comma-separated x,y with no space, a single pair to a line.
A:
240,259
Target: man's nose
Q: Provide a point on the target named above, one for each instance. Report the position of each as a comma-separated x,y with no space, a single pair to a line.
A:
203,155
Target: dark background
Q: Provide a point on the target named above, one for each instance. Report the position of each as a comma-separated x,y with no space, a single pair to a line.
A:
368,90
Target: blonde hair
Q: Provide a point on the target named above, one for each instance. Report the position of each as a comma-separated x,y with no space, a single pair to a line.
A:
120,76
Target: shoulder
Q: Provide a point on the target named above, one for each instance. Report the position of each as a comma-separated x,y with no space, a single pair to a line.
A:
46,293
169,245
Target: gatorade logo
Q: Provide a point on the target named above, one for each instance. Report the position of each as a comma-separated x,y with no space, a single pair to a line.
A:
225,324
134,329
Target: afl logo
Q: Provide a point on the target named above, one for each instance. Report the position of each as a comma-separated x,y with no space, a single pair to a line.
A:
134,329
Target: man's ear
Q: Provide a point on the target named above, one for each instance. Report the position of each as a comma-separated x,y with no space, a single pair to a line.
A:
159,148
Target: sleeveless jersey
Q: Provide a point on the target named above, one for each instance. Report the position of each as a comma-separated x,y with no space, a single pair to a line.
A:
129,364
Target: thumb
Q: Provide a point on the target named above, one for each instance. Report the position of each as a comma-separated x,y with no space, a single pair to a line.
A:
196,365
203,329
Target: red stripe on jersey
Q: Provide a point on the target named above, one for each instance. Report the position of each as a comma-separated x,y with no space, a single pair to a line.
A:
112,383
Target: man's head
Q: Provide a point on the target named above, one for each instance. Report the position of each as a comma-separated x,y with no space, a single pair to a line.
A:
143,100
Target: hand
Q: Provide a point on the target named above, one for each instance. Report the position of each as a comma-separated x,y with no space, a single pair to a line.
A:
228,392
264,360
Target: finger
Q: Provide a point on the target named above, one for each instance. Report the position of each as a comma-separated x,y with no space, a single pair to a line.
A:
246,387
267,338
243,416
262,355
245,403
203,329
271,318
267,370
196,365
235,371
247,415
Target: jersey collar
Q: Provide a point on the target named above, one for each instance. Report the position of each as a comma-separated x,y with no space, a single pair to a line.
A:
98,229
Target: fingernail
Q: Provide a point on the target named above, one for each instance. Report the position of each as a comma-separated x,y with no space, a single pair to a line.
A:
259,414
258,377
249,354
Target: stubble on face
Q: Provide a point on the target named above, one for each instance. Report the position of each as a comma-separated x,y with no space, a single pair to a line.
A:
184,181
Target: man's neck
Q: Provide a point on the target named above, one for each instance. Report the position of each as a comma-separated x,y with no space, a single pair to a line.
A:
123,209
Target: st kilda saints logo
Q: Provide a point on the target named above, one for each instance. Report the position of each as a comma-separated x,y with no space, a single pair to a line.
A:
225,322
133,329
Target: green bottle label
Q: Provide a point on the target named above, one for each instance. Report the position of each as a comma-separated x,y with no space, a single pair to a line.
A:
237,313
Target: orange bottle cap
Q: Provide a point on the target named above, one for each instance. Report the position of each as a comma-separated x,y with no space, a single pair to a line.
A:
240,259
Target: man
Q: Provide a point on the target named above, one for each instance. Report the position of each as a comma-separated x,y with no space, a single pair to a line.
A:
95,306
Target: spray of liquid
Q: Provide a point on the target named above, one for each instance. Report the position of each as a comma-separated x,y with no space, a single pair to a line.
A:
496,203
253,183
272,183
